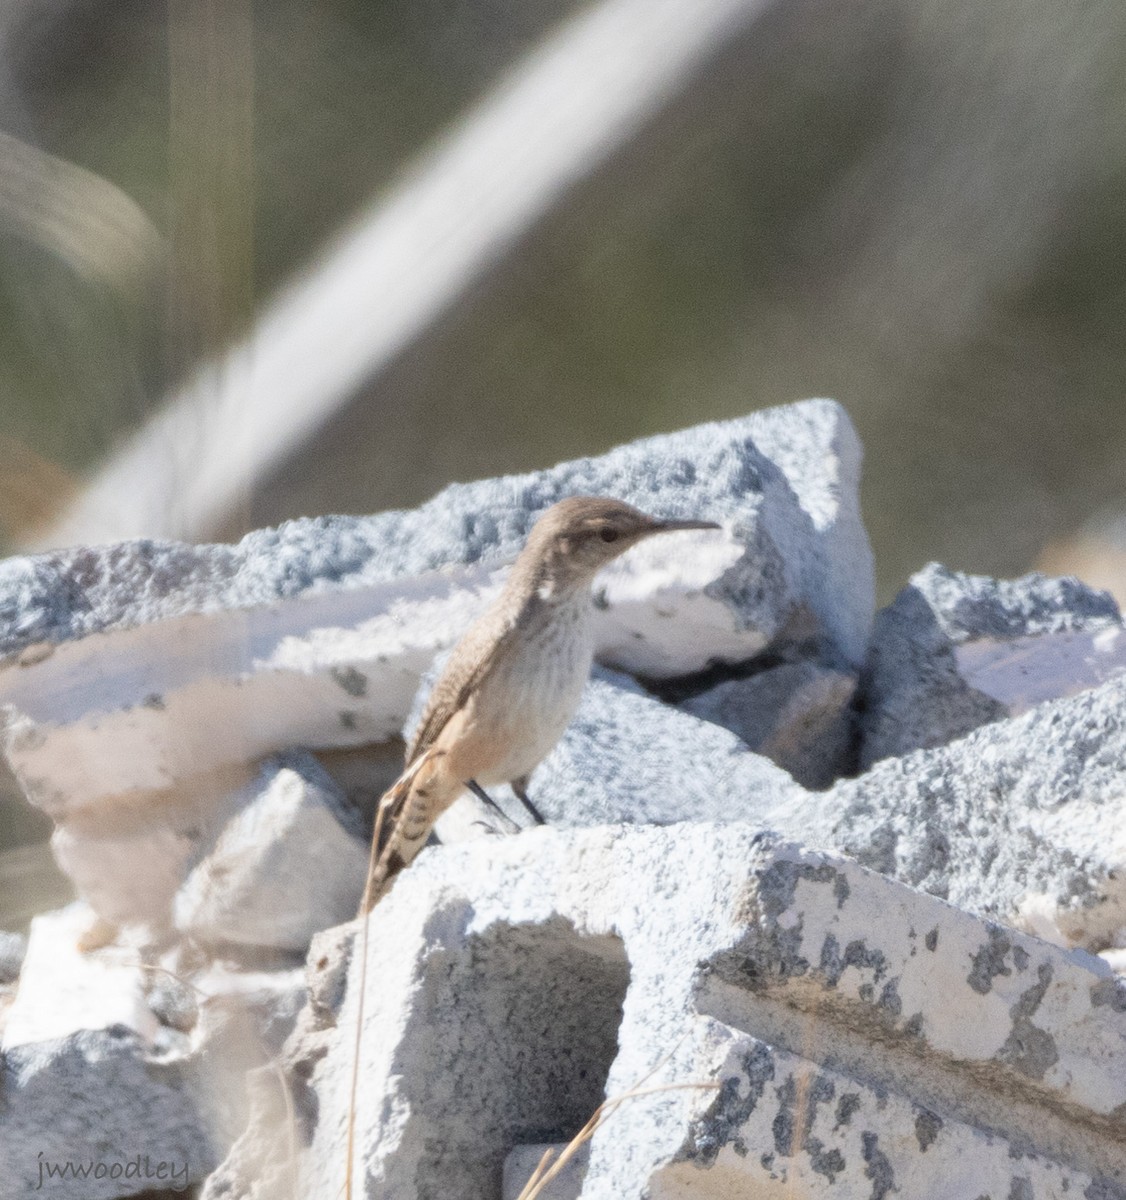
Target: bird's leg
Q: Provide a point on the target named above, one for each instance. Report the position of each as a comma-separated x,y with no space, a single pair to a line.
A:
485,798
520,791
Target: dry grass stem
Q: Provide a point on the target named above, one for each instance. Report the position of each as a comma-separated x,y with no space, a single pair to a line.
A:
364,916
543,1175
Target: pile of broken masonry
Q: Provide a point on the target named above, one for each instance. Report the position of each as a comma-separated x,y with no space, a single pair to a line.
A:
856,880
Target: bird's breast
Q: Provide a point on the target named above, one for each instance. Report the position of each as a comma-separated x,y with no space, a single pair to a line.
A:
530,699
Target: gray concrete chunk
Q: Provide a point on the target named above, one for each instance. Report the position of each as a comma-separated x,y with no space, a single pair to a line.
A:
290,861
956,651
1020,820
94,1102
787,476
796,714
512,984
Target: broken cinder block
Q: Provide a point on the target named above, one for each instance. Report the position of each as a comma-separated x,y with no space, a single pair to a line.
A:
291,860
142,682
956,651
819,1027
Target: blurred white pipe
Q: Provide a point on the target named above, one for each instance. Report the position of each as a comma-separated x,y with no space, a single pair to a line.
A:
553,120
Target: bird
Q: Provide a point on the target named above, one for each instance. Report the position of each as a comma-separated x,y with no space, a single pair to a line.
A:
513,681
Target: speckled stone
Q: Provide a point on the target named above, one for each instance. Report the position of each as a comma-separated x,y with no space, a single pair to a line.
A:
955,651
837,1031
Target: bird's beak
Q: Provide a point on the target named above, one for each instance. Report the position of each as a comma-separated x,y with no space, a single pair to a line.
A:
671,526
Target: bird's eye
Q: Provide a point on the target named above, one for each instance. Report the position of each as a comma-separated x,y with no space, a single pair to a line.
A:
608,535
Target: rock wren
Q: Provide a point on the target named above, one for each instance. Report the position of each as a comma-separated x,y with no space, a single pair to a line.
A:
514,680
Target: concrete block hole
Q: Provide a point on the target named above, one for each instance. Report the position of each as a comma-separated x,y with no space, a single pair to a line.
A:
522,1025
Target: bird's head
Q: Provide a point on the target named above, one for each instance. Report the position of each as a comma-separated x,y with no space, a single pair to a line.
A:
581,534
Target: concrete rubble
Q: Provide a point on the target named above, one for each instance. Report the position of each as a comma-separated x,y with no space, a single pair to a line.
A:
94,1102
799,715
955,651
200,661
1051,856
290,861
845,900
834,1028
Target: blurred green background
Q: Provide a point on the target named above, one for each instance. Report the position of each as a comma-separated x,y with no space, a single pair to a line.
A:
915,207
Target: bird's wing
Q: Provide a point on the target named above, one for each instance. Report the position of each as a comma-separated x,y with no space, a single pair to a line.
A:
484,645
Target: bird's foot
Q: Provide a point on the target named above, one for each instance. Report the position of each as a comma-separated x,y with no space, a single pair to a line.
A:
506,823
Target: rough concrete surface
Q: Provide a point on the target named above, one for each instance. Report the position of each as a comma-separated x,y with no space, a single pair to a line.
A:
322,628
861,1019
956,651
290,861
787,475
833,1027
798,715
92,1106
1021,819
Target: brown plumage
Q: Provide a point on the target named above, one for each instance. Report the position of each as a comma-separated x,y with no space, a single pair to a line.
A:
513,681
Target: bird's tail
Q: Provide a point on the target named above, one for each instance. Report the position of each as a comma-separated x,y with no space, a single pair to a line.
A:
403,820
